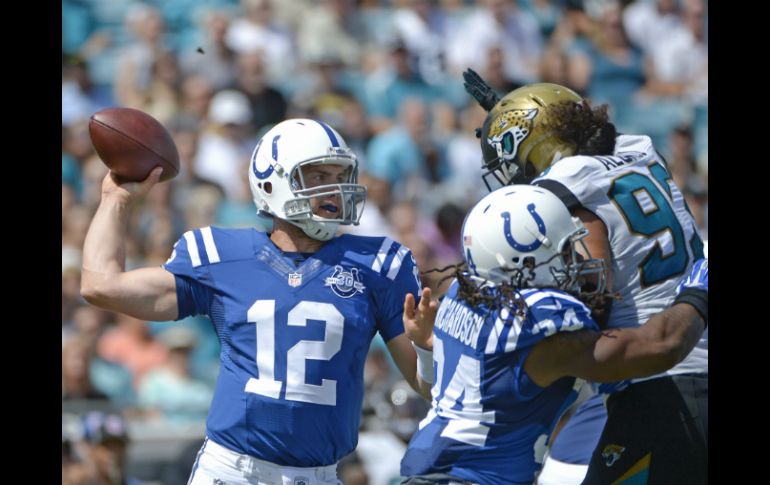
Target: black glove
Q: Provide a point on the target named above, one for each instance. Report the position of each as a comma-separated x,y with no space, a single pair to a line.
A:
480,90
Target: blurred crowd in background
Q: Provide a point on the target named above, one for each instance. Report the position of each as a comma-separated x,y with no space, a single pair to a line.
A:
387,75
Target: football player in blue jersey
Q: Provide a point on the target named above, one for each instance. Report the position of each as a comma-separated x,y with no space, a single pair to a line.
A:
512,334
569,451
639,223
295,309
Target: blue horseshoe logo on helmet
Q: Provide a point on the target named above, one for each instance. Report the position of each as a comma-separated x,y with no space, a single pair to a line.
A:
524,248
263,175
469,260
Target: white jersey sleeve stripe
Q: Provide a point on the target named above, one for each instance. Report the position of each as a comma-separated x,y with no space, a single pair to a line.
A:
397,260
531,300
382,253
209,246
513,334
494,335
192,248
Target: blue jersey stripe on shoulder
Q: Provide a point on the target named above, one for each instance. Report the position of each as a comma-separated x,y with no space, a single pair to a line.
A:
382,253
329,132
204,257
385,255
398,258
394,250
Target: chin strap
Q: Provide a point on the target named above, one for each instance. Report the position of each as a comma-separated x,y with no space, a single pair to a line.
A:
314,229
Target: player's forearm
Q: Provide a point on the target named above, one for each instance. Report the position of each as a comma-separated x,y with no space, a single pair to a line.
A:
661,343
104,249
405,357
678,329
423,389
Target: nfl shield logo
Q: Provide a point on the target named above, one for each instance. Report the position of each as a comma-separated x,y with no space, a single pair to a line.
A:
295,279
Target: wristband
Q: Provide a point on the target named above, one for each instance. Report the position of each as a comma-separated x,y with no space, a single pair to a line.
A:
698,299
424,363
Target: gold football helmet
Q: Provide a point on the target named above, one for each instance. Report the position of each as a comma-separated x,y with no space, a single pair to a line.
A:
515,140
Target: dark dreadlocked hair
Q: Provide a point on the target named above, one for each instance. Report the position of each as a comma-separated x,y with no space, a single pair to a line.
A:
495,298
589,129
508,294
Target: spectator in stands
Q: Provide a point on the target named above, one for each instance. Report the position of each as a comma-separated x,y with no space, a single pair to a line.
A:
607,68
75,366
502,24
134,70
406,156
257,30
268,106
131,345
225,144
170,392
214,60
105,440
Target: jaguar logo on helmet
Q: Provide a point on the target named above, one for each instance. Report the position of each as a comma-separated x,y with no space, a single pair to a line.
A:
510,130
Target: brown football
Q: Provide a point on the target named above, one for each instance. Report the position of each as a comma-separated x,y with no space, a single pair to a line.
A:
132,143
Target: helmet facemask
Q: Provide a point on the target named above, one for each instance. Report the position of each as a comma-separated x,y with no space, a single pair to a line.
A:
350,194
569,270
577,273
500,148
523,236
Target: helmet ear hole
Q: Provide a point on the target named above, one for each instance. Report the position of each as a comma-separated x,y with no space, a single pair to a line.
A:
515,259
268,187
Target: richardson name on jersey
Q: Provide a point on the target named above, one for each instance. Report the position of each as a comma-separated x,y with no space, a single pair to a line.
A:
459,321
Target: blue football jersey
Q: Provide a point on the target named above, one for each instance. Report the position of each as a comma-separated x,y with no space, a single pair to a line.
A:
294,338
577,439
489,423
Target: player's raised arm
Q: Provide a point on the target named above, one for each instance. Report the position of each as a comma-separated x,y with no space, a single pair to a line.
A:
419,319
410,346
148,293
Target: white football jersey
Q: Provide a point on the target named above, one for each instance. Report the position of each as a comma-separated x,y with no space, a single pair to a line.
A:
653,237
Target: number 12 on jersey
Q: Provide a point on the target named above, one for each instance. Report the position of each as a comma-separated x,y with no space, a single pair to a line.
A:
262,313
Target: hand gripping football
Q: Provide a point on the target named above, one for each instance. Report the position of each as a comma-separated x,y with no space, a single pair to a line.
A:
132,143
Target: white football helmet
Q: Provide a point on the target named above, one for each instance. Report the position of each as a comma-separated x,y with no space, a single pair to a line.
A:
277,181
525,236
